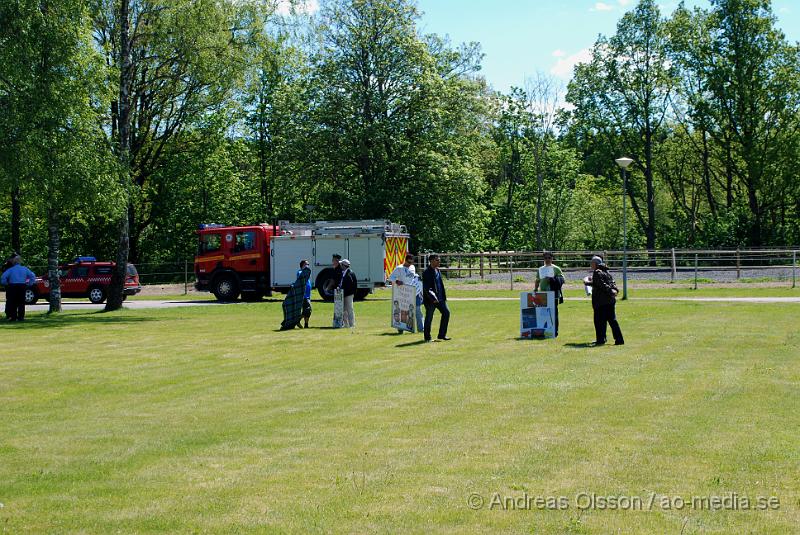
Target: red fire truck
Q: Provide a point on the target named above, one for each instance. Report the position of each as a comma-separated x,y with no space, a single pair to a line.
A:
253,261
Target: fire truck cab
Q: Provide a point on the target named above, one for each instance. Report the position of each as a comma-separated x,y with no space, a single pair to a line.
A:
253,261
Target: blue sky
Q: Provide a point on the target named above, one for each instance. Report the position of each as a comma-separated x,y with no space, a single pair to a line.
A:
523,37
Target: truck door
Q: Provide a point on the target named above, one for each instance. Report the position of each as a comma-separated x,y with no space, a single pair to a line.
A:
287,252
358,253
247,255
77,281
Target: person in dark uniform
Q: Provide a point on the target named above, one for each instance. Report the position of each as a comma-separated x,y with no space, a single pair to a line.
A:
334,282
16,279
434,297
604,300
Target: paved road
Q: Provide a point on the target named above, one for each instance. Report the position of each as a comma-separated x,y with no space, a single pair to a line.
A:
724,299
138,305
131,303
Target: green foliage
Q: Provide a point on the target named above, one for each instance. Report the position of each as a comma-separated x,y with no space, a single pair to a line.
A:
242,115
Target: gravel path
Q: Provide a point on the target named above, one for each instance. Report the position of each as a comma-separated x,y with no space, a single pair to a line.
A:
650,274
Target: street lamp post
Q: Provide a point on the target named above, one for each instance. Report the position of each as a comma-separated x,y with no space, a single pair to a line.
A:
623,164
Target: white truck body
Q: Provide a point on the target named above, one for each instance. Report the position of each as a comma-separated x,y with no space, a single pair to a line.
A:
374,248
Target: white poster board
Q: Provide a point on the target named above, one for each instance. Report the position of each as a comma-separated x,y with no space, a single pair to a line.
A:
537,315
338,308
404,304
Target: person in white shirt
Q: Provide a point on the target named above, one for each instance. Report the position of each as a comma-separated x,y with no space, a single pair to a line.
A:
406,273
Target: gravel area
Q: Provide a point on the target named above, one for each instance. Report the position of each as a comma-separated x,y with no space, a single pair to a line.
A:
656,274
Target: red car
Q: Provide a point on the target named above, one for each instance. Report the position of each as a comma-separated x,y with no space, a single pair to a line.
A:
85,277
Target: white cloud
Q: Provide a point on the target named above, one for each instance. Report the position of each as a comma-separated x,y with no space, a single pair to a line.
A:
784,10
563,67
602,6
558,53
285,7
623,3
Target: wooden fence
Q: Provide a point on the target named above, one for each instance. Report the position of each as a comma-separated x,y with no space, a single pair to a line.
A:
673,261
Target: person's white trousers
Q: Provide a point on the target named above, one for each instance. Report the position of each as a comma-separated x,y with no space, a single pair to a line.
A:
349,316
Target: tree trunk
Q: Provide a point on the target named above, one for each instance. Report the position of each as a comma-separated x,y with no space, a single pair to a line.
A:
728,176
115,289
539,189
712,205
53,251
650,231
15,220
755,229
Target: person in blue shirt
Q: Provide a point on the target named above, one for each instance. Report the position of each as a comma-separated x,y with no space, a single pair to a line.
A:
16,279
306,295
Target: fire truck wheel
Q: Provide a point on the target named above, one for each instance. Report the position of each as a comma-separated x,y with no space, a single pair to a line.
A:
226,288
326,281
361,294
97,295
30,297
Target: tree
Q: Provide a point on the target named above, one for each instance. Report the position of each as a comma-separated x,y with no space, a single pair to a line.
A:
621,100
59,75
755,85
177,62
399,122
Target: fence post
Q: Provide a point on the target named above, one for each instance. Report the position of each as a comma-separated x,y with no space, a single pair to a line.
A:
482,265
511,272
674,267
738,264
695,271
794,269
185,277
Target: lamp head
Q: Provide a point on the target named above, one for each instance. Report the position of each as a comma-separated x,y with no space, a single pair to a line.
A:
624,162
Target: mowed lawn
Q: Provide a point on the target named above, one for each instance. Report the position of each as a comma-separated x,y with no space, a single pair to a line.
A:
207,420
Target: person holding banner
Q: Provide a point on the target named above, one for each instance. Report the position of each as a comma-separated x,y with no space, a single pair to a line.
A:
604,299
434,297
406,273
550,278
348,284
295,300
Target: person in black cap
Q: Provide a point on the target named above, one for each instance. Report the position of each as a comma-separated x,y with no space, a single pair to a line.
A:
333,283
604,300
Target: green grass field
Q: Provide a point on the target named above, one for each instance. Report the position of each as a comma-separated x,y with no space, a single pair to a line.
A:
207,420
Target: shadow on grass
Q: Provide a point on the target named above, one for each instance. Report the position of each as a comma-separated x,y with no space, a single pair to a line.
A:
49,321
409,344
582,344
301,329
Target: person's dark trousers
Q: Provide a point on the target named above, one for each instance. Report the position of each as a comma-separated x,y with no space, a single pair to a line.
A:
444,311
15,302
606,314
556,306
